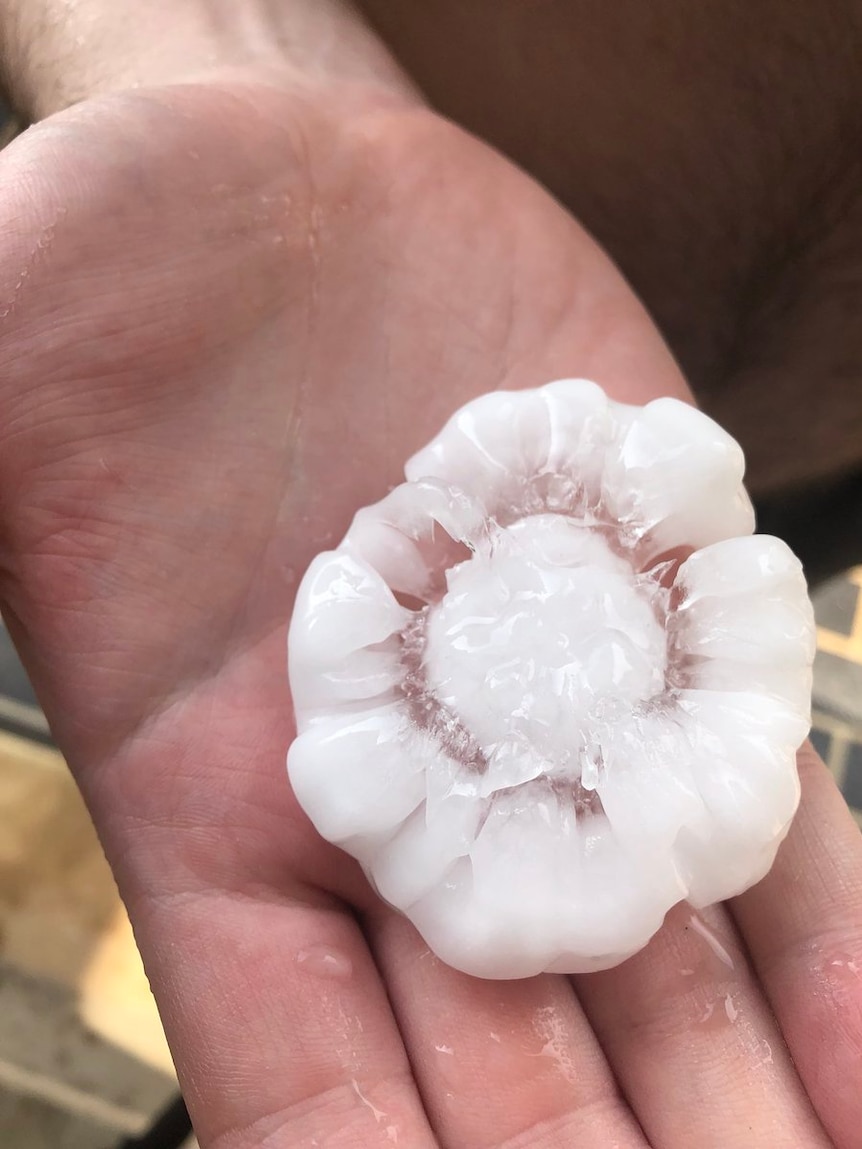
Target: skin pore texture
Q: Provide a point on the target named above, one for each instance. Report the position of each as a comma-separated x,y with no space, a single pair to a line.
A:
244,274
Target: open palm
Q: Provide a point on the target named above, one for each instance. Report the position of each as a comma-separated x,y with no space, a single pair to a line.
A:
229,313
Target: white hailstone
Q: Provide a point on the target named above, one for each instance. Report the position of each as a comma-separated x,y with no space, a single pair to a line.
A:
552,685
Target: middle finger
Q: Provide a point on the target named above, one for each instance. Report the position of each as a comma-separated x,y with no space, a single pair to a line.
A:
499,1063
694,1044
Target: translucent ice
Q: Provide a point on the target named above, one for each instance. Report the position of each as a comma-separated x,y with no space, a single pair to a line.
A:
552,684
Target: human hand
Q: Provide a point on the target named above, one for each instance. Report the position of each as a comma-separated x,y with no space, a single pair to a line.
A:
231,309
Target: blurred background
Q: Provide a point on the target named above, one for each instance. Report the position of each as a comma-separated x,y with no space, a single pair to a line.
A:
83,1062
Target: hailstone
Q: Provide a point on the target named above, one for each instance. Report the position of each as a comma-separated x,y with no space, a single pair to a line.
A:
552,684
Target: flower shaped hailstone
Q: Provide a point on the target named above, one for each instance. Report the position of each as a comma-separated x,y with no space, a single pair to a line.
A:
552,685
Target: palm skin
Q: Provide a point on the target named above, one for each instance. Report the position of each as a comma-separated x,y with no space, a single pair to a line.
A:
234,308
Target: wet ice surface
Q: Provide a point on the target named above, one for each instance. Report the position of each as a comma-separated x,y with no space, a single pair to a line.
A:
552,685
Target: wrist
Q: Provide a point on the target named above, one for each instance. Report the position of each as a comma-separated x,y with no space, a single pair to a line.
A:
53,54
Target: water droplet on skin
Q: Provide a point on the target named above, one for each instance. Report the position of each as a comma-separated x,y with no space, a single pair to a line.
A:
730,1009
844,969
718,1014
325,962
378,1114
714,1016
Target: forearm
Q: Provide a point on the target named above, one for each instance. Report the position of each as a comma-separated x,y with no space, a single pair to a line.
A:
53,53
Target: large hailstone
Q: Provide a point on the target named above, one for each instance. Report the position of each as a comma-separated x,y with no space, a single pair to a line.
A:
552,685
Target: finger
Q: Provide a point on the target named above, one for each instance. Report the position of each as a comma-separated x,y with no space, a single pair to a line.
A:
279,1024
693,1044
278,1021
803,928
500,1063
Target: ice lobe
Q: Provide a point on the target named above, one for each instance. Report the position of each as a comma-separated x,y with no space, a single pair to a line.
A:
552,684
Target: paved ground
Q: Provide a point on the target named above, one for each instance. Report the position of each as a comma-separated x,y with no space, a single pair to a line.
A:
837,730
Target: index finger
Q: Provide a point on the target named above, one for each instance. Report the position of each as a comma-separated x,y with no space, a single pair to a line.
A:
275,1012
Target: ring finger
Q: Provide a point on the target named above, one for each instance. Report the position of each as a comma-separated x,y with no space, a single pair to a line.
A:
694,1044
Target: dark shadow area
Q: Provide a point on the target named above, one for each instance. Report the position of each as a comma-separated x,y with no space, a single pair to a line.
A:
823,525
